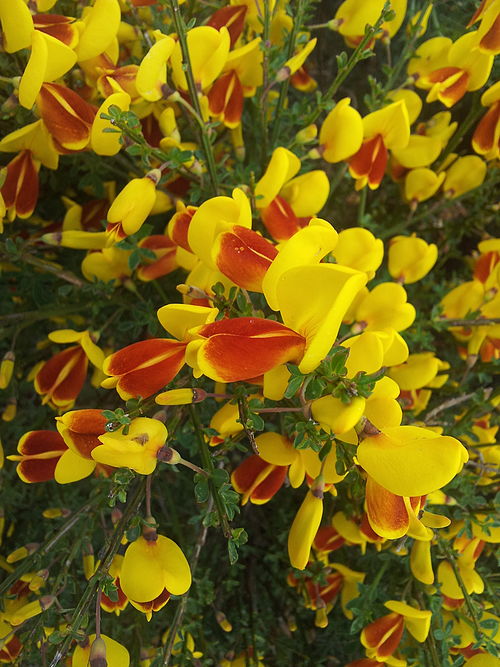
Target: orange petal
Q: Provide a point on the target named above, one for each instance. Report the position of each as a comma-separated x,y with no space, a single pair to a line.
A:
244,257
258,480
145,367
280,220
386,512
246,347
20,188
67,116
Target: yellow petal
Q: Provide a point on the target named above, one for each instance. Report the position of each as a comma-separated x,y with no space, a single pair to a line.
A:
313,301
307,193
411,461
308,246
100,27
303,530
341,133
152,72
141,576
421,562
282,167
276,449
71,468
108,143
337,417
176,571
179,318
391,122
17,25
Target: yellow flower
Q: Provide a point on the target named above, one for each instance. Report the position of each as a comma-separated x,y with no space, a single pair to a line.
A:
153,569
341,133
116,655
137,450
152,72
208,51
304,528
465,174
132,205
411,461
410,258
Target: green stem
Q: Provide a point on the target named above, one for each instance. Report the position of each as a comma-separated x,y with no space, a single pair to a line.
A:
450,557
362,206
180,27
95,581
209,467
357,55
297,22
29,562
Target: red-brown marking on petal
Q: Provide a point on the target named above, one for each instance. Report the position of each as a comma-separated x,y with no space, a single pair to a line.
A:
178,227
151,130
153,605
327,539
67,116
370,161
125,77
479,12
280,220
386,512
244,257
145,367
491,40
225,99
145,353
259,479
34,443
20,189
38,470
233,18
484,134
384,634
56,369
368,531
302,80
113,605
454,87
66,391
55,25
326,593
10,650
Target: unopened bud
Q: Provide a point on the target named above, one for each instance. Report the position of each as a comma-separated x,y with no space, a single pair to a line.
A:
10,410
169,455
56,512
6,369
154,175
149,529
191,291
321,619
318,486
307,134
282,74
97,657
22,552
221,619
181,396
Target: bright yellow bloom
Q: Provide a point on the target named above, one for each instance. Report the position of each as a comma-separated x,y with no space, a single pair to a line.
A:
304,528
410,258
152,72
208,51
153,569
411,461
133,205
341,133
465,174
421,184
137,450
99,28
17,25
359,249
108,143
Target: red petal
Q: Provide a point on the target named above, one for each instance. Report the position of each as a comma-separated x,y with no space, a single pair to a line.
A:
370,161
55,370
245,347
34,443
484,134
178,227
386,512
327,539
60,27
225,99
67,116
20,189
491,40
146,367
244,257
280,220
384,634
263,480
233,18
37,470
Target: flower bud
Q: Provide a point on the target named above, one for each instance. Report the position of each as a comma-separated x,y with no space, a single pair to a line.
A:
97,656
